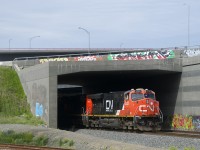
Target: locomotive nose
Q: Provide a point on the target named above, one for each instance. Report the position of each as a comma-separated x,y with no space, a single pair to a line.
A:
150,106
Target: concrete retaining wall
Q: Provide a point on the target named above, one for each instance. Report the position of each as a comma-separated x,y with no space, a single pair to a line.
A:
190,80
41,91
187,114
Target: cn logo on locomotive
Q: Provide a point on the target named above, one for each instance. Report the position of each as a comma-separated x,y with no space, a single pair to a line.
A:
143,108
109,105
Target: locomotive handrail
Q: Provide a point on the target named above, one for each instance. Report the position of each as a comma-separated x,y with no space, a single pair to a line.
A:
83,111
135,116
135,111
161,114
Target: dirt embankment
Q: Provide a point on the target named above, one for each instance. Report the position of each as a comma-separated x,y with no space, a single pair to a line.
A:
82,142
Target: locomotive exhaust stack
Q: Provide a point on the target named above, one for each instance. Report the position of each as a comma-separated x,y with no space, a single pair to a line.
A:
133,109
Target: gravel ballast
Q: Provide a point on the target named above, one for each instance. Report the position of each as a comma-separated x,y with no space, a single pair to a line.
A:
86,139
156,141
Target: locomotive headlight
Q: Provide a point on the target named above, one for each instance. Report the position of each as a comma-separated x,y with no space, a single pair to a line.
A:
147,101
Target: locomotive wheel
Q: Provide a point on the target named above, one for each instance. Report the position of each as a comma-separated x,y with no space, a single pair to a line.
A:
124,127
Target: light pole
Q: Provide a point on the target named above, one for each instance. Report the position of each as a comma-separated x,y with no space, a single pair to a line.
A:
9,48
188,7
88,37
31,40
9,43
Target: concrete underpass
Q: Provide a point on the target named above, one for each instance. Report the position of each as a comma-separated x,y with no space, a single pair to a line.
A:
65,83
54,84
73,87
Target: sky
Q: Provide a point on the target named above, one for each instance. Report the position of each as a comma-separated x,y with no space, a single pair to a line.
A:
111,23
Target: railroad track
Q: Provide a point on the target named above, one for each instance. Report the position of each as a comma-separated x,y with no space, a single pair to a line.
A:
184,134
25,147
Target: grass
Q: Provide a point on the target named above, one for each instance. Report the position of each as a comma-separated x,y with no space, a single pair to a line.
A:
14,108
12,97
186,148
63,143
22,119
27,138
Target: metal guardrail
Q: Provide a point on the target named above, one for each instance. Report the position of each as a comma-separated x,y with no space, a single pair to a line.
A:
86,54
91,54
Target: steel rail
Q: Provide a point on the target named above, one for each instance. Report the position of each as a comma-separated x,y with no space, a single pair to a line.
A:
27,147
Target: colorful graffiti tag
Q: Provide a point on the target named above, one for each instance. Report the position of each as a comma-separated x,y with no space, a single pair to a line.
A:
196,122
80,58
53,59
38,110
165,54
39,101
182,122
162,54
88,58
192,52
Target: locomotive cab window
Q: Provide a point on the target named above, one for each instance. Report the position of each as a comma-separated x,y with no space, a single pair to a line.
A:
126,96
137,96
149,95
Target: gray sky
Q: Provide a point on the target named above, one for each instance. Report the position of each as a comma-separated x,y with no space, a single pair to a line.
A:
111,23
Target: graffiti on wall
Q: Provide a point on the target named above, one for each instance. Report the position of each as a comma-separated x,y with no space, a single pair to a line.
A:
196,122
159,54
89,58
53,59
192,52
182,122
38,109
39,100
164,54
80,58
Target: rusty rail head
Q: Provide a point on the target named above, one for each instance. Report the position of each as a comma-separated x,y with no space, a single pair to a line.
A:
28,147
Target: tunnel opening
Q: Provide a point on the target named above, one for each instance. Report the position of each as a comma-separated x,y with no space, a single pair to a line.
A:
70,106
164,83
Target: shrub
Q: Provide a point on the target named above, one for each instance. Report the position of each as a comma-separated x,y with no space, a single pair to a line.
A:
64,143
189,148
186,148
172,148
25,138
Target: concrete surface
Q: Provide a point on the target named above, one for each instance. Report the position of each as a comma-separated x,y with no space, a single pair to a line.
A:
176,82
40,81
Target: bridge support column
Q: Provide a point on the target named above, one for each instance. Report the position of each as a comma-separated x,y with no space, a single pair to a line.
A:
53,102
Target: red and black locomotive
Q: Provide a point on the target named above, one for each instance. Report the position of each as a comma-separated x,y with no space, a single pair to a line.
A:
133,109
